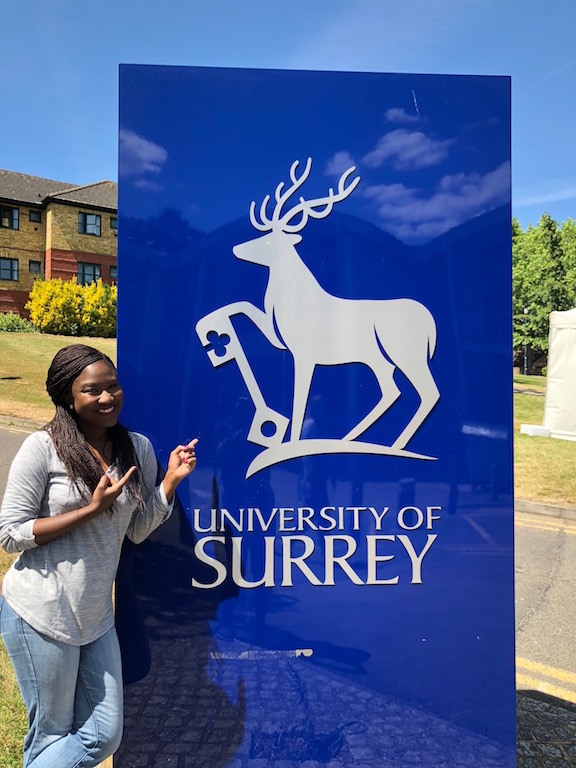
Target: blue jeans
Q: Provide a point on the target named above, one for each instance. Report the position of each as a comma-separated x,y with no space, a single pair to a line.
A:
73,695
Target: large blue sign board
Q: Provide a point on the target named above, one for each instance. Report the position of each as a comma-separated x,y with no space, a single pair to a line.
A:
314,273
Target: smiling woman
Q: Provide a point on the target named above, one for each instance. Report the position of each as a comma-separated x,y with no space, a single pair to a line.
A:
96,399
75,490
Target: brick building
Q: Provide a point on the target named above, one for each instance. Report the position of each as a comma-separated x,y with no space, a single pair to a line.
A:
53,229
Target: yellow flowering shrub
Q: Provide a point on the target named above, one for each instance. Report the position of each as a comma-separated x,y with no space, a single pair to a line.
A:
63,307
98,315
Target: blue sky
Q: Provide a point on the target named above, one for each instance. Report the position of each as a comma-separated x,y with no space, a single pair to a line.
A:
59,60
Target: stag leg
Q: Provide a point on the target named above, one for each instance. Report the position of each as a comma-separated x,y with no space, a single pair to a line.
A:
303,373
261,320
429,395
384,372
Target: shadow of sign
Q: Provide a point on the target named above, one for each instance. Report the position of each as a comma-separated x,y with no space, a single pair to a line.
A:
546,729
173,705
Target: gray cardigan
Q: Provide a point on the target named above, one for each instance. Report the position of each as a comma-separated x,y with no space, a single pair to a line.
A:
63,589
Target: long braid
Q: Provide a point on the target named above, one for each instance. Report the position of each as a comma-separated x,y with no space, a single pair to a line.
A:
71,446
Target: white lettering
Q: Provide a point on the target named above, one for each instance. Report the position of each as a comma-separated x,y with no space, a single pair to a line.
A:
211,528
415,559
288,560
430,517
268,523
356,515
204,557
341,560
268,578
324,514
378,518
305,515
286,516
374,558
419,518
225,515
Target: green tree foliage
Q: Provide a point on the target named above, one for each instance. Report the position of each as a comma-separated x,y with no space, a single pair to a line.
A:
568,243
543,278
68,309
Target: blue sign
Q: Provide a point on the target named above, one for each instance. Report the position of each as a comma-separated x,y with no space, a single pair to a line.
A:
314,274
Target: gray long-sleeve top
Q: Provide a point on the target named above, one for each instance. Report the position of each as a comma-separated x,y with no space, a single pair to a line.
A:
64,588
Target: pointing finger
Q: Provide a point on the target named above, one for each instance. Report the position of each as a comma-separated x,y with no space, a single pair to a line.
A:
124,479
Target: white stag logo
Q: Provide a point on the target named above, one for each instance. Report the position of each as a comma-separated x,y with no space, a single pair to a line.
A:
320,329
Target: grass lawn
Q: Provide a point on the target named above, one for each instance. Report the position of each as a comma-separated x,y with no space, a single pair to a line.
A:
24,361
12,711
544,468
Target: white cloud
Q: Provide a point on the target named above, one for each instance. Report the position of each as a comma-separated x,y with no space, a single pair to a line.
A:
147,185
410,36
554,74
339,163
399,115
558,195
138,156
412,217
406,149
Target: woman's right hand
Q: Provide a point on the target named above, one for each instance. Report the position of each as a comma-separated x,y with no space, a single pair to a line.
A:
108,490
46,529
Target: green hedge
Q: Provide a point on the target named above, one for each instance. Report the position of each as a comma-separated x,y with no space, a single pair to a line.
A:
9,321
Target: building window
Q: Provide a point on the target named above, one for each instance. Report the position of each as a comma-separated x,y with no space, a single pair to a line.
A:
89,224
9,269
9,217
114,272
88,273
35,267
35,216
113,222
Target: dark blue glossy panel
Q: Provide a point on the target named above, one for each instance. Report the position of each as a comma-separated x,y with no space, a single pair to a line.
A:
334,584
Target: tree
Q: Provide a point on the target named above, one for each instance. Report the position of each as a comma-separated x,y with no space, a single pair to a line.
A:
568,242
539,281
519,258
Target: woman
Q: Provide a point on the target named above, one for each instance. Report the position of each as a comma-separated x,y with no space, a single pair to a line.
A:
75,489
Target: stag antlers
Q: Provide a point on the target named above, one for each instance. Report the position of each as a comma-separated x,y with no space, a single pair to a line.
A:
317,209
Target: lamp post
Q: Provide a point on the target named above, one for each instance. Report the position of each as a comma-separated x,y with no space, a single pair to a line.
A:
525,343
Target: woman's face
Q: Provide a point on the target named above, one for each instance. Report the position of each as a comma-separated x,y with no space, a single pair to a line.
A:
97,397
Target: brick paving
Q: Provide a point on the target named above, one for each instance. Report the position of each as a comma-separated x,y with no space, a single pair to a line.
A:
286,713
546,736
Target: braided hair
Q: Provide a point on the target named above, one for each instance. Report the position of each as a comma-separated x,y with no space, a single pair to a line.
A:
69,442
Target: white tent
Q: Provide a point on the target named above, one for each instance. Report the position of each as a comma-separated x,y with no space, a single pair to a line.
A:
560,401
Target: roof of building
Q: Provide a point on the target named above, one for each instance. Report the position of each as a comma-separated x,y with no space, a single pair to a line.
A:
34,190
102,194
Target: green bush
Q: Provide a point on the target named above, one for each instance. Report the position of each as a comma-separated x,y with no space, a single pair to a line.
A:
68,309
9,321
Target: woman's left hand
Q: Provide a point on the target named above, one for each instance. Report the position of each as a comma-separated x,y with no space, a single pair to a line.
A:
181,463
183,458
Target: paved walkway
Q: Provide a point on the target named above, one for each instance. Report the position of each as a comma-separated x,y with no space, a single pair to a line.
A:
546,736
